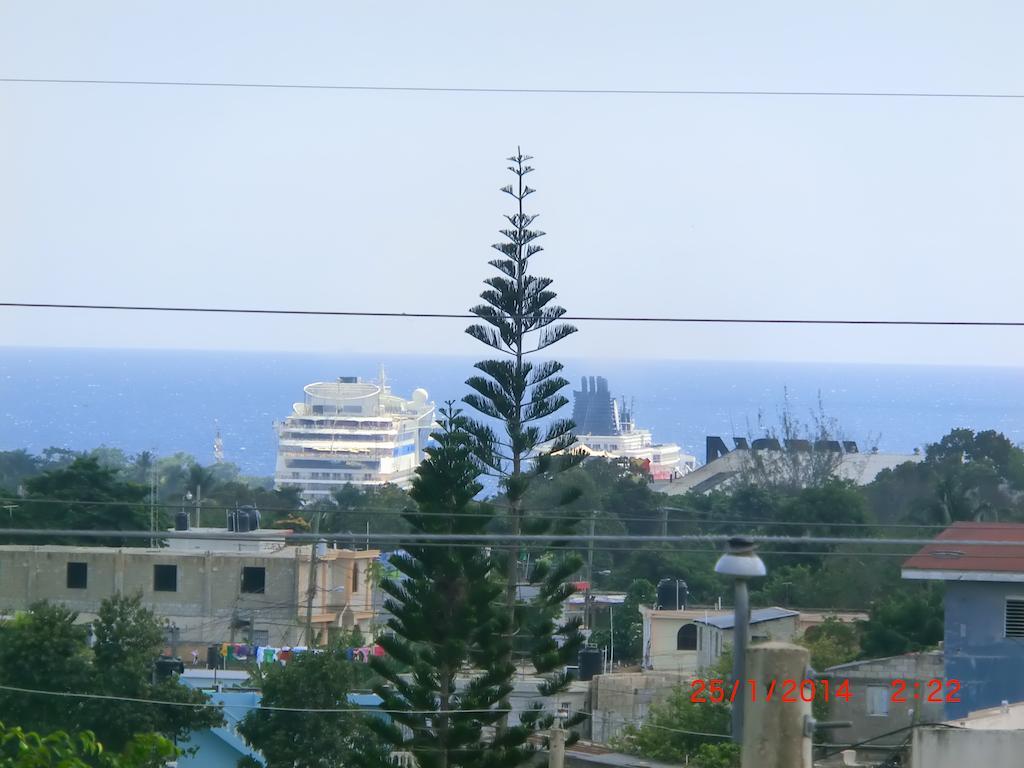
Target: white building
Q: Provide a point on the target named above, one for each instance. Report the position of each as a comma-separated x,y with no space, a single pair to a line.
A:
350,431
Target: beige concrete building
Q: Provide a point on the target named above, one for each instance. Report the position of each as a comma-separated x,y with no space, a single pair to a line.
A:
691,640
234,589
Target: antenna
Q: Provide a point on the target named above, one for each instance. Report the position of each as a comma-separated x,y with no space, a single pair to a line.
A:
218,448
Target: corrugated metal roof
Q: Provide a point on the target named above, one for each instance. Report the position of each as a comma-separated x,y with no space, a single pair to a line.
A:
757,616
978,557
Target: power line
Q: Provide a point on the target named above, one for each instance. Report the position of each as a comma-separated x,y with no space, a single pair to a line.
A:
211,704
468,316
566,515
492,538
499,90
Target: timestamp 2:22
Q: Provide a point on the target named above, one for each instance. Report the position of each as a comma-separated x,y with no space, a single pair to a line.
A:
935,691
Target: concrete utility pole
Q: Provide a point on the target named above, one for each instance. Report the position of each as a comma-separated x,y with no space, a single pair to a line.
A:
740,562
587,607
311,589
556,746
776,733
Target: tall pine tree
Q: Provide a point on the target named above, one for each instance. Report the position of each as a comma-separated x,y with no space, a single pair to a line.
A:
444,621
523,438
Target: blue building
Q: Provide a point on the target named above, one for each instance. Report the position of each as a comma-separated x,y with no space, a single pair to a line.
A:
983,640
223,747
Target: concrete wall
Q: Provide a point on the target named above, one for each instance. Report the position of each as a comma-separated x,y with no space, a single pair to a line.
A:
620,699
208,594
663,654
956,748
712,641
989,666
913,667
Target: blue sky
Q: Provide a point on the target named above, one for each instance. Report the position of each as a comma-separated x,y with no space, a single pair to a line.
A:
663,205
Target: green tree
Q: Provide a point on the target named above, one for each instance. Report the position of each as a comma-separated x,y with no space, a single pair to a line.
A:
84,496
444,619
26,749
679,730
129,639
832,642
908,620
518,319
16,467
44,650
965,476
295,739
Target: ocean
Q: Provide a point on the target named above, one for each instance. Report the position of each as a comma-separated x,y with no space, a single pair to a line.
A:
171,401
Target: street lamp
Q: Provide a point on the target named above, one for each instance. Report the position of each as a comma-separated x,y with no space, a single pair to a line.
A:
740,562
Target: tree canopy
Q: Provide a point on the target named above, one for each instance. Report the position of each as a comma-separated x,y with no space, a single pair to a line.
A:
43,649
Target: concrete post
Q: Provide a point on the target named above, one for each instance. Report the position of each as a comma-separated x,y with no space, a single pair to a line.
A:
774,730
556,748
740,638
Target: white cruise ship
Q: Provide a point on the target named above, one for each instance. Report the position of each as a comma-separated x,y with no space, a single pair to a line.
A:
350,431
604,429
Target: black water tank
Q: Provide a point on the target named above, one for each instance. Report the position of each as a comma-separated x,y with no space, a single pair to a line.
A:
231,520
591,660
243,521
168,665
213,657
667,595
181,521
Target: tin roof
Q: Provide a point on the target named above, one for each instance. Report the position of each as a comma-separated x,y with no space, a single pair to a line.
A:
756,617
971,562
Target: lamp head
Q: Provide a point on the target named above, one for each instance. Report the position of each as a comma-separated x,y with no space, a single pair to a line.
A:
740,561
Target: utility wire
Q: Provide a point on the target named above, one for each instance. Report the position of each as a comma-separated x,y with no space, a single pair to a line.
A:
492,538
467,316
311,710
553,91
212,704
548,513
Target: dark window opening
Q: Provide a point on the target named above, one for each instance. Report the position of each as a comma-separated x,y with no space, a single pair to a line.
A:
686,638
165,578
1015,617
355,577
78,575
254,580
261,637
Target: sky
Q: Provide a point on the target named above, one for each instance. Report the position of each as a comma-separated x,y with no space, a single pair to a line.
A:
741,206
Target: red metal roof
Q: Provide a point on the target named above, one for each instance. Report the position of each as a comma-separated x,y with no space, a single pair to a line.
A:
979,557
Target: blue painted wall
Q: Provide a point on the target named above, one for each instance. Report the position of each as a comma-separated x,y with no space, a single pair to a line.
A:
989,666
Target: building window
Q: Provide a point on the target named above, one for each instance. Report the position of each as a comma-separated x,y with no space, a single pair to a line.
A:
686,638
254,580
878,700
355,578
261,637
165,578
78,575
1015,617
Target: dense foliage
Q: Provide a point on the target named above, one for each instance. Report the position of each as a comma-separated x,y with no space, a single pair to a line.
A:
27,749
296,739
678,730
446,618
44,649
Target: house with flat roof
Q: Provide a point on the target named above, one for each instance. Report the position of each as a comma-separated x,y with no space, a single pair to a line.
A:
691,640
983,637
231,588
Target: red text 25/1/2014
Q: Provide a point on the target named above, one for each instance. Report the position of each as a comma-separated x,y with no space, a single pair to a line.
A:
935,691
